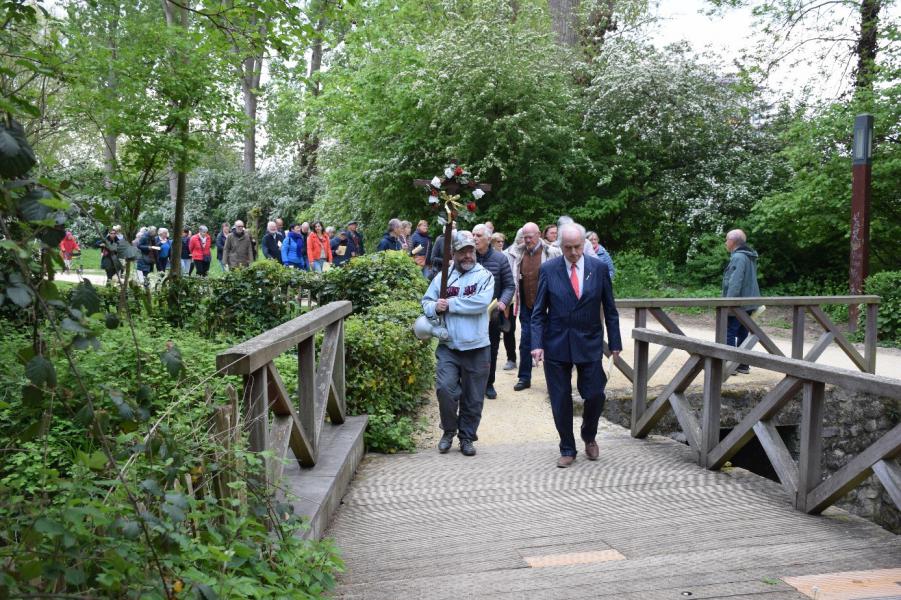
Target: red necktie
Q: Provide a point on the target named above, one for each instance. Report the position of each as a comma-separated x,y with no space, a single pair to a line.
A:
574,279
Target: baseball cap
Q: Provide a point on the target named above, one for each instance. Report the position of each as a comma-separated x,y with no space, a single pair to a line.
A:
462,240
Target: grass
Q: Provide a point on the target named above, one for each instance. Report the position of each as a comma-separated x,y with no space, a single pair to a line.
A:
90,262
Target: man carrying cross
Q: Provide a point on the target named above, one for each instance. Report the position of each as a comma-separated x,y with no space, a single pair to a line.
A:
464,357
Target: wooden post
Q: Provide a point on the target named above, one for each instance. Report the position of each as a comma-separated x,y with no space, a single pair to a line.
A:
710,419
306,391
640,364
798,332
722,323
809,464
870,335
256,407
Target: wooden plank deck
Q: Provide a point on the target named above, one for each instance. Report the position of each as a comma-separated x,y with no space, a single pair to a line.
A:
643,523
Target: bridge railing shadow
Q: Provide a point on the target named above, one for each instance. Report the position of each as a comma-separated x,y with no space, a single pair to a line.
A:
802,480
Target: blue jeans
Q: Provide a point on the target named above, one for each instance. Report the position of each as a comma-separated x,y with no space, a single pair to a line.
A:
317,265
525,343
736,333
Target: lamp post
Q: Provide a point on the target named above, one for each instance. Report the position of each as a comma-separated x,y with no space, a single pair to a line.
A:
862,159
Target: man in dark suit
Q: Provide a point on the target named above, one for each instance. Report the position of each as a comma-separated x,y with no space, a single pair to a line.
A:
567,330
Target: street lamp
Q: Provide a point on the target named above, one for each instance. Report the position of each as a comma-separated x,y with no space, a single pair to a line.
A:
861,165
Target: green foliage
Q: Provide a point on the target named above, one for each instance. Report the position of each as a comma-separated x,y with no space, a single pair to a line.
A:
637,275
887,285
374,279
388,372
68,526
243,302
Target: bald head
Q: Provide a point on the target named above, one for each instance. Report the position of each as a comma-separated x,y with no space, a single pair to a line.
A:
531,235
735,239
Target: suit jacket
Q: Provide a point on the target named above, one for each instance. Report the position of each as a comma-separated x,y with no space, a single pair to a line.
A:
570,329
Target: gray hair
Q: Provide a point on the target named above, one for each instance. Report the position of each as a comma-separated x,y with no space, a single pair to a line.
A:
202,229
518,238
569,228
394,224
564,220
592,233
737,235
271,225
481,228
163,230
330,230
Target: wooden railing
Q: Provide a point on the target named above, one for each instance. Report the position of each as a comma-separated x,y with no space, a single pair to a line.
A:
320,387
802,480
726,307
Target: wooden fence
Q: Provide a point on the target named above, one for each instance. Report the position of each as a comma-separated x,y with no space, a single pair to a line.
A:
295,427
802,480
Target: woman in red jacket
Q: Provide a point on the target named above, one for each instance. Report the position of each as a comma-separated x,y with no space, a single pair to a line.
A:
319,249
67,248
200,251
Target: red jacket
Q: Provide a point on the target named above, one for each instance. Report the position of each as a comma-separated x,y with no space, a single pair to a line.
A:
315,247
69,244
199,248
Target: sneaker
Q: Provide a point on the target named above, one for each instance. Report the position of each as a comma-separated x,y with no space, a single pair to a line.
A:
510,365
447,440
467,448
491,393
743,369
521,385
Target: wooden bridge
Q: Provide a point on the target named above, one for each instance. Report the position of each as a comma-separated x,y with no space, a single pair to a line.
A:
652,518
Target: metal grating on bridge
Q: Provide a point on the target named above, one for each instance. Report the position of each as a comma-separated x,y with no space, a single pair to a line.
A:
445,526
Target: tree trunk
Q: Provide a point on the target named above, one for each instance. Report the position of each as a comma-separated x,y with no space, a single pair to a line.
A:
250,83
866,44
310,145
110,137
177,16
181,182
564,21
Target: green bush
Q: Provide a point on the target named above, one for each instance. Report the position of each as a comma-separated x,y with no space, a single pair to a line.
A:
705,261
243,302
374,279
389,372
887,285
68,527
640,276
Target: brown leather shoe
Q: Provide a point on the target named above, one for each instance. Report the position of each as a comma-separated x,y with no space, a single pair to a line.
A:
591,450
565,461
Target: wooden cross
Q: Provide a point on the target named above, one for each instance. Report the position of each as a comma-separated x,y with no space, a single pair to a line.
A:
453,188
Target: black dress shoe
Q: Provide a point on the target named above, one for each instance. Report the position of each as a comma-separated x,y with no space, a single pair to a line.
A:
521,385
447,440
467,448
491,393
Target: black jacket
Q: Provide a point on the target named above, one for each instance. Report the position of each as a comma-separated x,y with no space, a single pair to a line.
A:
498,265
270,246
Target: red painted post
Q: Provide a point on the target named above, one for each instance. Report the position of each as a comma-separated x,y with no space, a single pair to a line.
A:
860,210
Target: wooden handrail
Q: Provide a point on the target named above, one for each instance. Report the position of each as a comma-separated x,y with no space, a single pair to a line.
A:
866,383
749,301
802,480
297,417
252,354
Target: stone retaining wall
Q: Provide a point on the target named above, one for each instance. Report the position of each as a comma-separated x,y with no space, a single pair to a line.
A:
852,422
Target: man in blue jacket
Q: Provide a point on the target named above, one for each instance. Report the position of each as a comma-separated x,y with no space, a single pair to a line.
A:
740,281
567,331
463,358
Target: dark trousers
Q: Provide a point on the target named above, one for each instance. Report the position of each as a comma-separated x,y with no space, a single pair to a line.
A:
736,333
525,343
202,267
494,336
510,342
460,385
591,381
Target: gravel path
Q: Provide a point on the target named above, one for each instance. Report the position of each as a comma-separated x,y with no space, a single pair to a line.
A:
525,416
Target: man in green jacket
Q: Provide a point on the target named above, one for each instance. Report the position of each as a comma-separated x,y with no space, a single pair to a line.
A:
740,281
